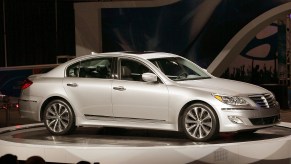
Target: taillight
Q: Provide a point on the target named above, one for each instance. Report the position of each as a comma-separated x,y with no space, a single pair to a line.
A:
26,84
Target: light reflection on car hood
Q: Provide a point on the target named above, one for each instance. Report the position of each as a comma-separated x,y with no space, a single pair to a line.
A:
223,86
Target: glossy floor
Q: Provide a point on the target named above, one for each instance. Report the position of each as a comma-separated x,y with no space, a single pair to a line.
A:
115,145
110,137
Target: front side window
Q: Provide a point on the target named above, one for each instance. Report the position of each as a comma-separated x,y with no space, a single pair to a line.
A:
179,69
92,68
132,70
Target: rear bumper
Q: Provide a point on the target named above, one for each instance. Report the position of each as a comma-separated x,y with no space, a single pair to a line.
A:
28,108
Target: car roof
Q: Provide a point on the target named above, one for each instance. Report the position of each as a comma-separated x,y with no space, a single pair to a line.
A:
145,55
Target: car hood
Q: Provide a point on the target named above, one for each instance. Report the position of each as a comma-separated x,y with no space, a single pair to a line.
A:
223,86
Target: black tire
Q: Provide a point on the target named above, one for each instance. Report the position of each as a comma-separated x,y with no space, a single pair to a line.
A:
247,132
59,117
199,122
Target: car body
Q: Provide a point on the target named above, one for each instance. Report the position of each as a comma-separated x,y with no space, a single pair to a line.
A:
151,90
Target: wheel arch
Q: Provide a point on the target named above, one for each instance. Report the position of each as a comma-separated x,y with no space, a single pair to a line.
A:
195,102
48,100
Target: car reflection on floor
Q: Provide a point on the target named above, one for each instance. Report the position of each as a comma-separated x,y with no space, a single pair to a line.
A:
92,137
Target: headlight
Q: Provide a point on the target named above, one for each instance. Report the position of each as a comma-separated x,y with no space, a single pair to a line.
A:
231,100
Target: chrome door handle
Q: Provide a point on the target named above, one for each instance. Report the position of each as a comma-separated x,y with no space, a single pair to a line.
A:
120,88
72,84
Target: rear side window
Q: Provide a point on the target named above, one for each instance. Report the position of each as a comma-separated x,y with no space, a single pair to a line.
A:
92,68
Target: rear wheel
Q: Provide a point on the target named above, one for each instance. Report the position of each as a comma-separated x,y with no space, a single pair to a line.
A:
59,117
199,122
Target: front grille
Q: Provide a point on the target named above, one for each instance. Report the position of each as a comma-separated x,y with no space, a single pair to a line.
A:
264,100
265,120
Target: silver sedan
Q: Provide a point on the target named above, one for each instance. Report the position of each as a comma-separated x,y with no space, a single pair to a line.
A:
149,90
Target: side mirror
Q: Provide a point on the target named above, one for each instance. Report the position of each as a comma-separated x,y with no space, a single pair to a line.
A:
149,77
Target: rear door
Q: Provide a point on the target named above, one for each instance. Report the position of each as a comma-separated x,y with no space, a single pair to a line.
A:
88,85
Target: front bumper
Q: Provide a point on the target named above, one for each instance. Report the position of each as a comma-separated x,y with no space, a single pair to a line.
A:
233,119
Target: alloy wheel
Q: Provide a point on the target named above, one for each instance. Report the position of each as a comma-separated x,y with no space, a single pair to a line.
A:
199,122
58,117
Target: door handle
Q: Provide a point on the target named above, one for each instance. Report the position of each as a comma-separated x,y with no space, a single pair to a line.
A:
120,88
72,84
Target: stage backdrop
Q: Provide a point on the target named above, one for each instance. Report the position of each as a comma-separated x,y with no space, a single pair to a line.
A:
197,30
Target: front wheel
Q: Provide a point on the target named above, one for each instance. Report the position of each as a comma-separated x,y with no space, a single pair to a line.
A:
199,122
59,117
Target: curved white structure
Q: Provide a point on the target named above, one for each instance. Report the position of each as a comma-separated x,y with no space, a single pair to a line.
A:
110,149
244,36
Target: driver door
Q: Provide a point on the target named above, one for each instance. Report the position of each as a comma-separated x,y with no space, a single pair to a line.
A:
132,98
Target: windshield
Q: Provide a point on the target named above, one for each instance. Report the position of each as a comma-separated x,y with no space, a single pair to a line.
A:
179,69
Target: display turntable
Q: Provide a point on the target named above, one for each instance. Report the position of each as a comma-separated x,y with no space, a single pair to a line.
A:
117,145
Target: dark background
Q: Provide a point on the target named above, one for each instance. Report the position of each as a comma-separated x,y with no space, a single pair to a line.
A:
39,30
36,31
